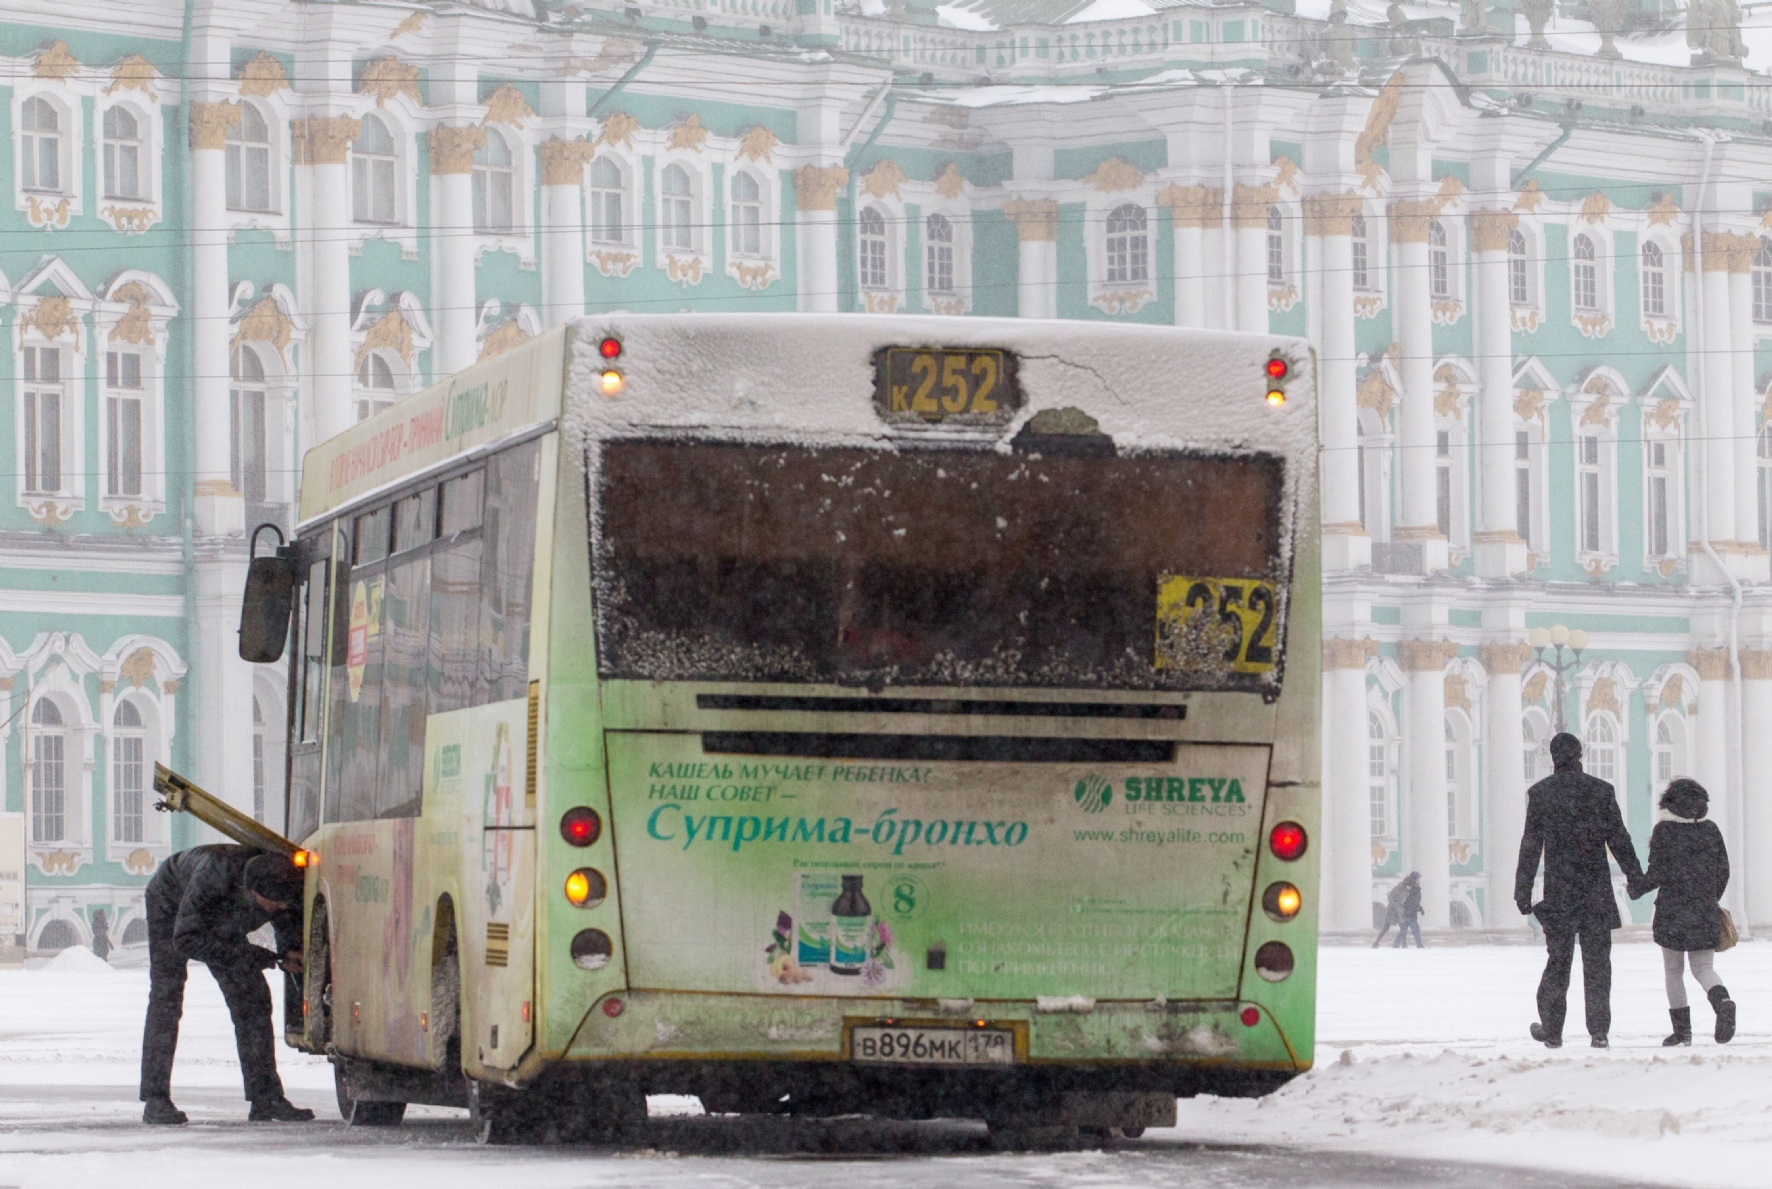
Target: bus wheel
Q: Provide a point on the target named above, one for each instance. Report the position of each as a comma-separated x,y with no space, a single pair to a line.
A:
502,1116
358,1113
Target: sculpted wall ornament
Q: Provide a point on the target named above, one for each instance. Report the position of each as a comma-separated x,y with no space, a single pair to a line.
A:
264,322
1713,32
1332,214
136,325
1377,131
1376,393
1249,205
390,332
134,73
758,144
56,62
1490,230
884,179
1190,206
51,317
1530,199
388,78
1595,208
322,140
1425,656
1456,692
563,161
263,76
1122,301
618,129
1342,653
1115,174
753,276
507,106
46,215
412,24
1285,173
1035,219
613,264
1712,664
1529,404
1603,696
502,338
688,136
1664,211
1500,658
1532,693
1672,693
950,183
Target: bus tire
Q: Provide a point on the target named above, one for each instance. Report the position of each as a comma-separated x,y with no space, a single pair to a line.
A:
502,1117
318,964
358,1113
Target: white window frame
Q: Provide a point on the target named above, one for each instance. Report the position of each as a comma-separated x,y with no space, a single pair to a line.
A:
1535,736
1670,477
1126,245
1585,280
50,208
377,175
1597,320
1760,274
1605,759
116,150
117,393
686,261
58,684
1527,315
133,510
241,389
741,213
1382,745
1452,474
238,153
1654,285
597,225
957,300
875,235
1374,442
1667,752
519,240
485,181
1603,467
36,360
131,216
1365,269
1532,467
370,397
126,739
1462,816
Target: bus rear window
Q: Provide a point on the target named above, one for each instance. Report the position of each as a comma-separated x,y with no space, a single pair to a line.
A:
1158,571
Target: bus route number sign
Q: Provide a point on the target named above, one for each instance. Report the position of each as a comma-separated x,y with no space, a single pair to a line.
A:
935,384
1216,623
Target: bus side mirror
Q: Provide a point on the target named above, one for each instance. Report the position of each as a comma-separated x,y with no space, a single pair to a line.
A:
270,596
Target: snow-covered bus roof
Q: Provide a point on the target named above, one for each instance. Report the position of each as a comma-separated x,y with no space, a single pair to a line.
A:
805,378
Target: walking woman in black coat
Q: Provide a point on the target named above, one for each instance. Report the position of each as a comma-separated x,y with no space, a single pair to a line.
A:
1688,863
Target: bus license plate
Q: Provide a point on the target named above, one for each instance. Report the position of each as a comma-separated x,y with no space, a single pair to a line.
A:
932,1046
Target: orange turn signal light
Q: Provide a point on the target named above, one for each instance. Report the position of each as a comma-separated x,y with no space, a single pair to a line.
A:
610,383
586,888
303,858
1281,901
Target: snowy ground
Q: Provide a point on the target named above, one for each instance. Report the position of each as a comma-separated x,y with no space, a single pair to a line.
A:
1422,1054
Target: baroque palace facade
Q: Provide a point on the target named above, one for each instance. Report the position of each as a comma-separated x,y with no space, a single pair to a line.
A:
1532,268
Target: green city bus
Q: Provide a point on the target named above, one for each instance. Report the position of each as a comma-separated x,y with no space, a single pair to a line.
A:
813,714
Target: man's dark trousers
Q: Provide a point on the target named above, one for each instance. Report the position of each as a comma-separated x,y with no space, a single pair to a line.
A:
1596,976
249,1002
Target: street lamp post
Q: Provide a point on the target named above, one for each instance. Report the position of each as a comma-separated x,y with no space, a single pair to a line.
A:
1559,637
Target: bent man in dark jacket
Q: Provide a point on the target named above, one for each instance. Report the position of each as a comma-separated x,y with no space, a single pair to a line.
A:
1572,820
201,905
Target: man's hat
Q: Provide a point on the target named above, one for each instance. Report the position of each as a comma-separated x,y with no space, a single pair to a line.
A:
274,877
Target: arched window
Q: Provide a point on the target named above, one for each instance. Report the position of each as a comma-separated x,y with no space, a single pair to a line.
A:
1439,262
57,935
40,146
246,413
676,210
1519,276
747,215
1535,734
49,788
494,186
938,236
607,188
136,932
1762,281
1654,272
1276,247
258,762
1378,776
129,773
1765,484
375,385
248,165
1586,278
871,241
1599,753
372,173
122,154
1128,245
1362,250
1669,744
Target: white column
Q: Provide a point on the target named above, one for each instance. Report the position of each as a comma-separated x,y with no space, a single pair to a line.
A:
1743,409
1192,209
452,246
219,509
1719,381
222,683
1249,213
1329,222
1504,779
1710,732
1754,868
1036,234
1419,518
1347,811
322,147
1427,837
1500,550
563,229
815,191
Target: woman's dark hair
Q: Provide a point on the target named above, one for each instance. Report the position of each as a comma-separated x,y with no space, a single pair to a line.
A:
1685,797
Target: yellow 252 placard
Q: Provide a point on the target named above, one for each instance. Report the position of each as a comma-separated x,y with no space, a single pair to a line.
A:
1217,623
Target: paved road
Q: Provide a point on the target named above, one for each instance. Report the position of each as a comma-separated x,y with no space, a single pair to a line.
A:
66,1135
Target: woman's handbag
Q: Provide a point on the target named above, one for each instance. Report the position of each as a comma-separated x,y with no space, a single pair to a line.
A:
1726,936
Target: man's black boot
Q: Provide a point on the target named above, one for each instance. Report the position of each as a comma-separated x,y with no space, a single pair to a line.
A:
278,1110
1682,1018
1598,1041
1544,1038
1725,1007
161,1110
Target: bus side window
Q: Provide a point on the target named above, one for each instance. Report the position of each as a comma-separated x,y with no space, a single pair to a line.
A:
405,608
453,651
313,655
509,534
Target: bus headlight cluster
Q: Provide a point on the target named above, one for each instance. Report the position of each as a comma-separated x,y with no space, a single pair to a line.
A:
1277,370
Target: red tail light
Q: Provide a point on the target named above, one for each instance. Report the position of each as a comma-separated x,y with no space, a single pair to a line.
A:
581,826
1287,840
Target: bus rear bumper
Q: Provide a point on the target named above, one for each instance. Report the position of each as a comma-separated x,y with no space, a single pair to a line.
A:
674,1042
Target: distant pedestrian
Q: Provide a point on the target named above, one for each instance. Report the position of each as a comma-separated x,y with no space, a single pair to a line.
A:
1572,819
101,934
1409,913
1393,910
1690,866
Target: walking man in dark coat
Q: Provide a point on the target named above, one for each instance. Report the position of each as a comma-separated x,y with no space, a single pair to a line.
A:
201,905
1572,820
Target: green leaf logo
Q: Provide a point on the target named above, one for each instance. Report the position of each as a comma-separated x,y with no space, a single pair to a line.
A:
1093,793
